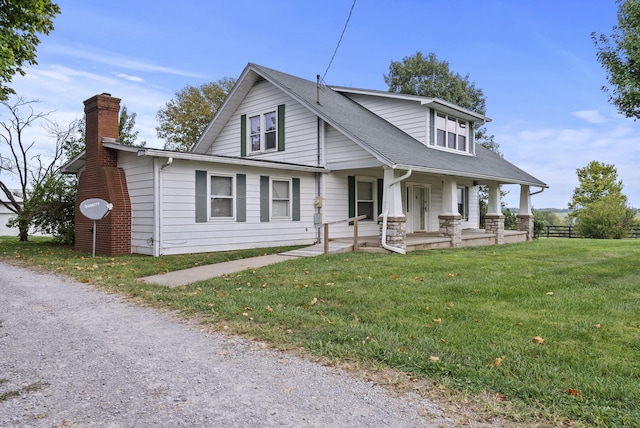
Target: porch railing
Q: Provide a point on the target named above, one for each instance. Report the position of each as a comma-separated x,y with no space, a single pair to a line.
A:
355,231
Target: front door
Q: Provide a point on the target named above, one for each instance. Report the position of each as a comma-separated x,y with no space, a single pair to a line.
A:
419,208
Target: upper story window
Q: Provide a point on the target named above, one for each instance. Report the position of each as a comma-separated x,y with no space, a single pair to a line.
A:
262,132
451,133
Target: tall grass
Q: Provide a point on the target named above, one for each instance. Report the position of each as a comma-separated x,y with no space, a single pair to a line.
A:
551,329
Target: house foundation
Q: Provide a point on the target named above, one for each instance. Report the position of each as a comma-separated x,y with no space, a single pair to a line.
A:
526,224
451,227
494,223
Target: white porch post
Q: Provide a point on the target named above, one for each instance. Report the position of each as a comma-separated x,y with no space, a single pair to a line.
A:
450,219
525,200
493,206
449,197
396,228
494,219
525,216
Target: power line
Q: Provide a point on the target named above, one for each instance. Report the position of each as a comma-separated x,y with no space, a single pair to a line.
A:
340,40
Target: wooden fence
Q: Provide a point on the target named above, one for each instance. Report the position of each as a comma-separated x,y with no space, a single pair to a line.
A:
571,232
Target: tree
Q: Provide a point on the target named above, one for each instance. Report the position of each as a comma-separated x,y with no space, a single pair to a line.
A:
598,205
184,118
430,77
31,170
619,55
20,23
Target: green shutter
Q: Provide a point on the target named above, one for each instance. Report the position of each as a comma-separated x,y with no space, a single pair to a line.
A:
380,193
264,198
243,135
432,126
201,196
351,195
241,198
281,128
295,205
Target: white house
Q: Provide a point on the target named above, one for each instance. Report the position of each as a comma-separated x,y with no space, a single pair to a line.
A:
284,155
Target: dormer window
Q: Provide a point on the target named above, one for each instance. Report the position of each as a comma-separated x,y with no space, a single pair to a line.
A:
451,133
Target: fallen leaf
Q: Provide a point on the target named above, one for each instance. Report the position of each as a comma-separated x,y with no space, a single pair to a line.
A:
437,320
451,275
314,301
499,397
402,349
442,341
394,276
538,340
550,293
598,325
356,320
268,309
573,392
434,358
498,361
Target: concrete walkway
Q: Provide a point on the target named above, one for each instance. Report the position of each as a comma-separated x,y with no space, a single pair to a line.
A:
187,276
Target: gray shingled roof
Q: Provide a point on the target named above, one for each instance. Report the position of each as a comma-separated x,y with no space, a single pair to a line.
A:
390,145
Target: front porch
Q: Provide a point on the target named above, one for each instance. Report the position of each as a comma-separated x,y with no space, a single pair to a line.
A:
433,240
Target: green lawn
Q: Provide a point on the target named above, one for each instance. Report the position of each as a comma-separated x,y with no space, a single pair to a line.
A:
548,332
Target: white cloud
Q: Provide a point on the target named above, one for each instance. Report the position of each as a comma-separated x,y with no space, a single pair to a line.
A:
129,77
591,116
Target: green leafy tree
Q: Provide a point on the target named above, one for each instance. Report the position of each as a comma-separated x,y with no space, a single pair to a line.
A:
184,118
619,55
608,217
429,77
20,23
598,205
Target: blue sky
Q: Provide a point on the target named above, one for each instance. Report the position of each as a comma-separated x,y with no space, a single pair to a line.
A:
534,61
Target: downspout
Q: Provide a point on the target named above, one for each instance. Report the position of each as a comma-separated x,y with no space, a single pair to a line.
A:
160,217
385,214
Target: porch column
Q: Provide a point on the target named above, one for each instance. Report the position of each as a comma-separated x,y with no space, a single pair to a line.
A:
450,219
525,216
396,232
494,219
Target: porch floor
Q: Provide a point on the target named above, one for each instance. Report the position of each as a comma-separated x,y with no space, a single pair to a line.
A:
433,240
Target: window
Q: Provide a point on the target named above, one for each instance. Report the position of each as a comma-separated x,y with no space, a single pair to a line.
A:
280,198
451,133
263,131
463,202
365,199
221,197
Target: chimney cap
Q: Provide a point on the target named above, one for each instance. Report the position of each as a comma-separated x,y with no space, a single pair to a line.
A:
105,94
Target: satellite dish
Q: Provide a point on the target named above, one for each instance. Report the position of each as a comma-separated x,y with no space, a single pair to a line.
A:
95,209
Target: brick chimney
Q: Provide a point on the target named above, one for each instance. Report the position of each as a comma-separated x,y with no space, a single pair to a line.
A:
103,179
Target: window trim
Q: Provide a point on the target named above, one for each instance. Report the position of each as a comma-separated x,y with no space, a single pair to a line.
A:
442,126
262,131
374,196
233,196
290,201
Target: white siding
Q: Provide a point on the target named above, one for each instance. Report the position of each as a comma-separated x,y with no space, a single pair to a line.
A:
301,136
181,233
139,173
407,115
340,150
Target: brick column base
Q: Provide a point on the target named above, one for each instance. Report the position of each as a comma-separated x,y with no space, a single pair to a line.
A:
451,226
525,224
494,223
396,232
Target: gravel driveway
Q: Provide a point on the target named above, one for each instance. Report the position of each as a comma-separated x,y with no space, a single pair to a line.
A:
71,355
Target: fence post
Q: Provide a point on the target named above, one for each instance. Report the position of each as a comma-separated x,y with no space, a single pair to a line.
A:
355,234
326,238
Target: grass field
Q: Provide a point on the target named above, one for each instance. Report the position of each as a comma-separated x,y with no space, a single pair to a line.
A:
543,333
